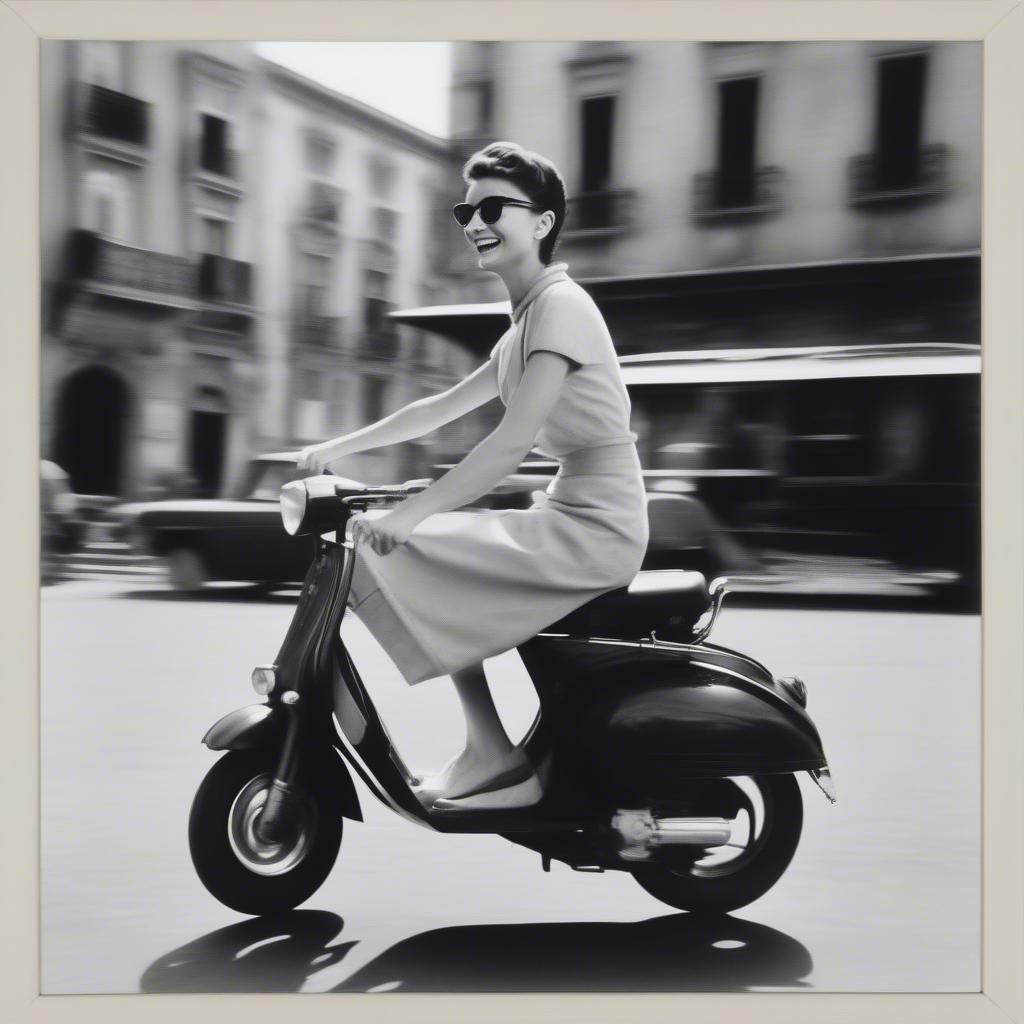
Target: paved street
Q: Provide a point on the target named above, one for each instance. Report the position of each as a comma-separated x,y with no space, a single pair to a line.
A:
883,894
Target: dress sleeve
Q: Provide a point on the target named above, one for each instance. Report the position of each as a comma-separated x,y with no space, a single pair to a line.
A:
568,325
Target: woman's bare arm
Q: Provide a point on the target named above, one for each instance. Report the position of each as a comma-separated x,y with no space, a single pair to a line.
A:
504,448
423,416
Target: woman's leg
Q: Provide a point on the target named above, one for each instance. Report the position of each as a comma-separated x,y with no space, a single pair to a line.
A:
489,753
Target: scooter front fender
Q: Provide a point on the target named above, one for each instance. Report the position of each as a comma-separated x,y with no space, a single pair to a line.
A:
245,728
258,725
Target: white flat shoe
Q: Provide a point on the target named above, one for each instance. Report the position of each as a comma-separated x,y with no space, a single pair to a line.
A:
522,794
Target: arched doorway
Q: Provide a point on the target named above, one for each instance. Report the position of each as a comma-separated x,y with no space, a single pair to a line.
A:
207,438
91,427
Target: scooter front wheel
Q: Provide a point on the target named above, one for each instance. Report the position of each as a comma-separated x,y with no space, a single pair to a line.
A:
717,881
239,869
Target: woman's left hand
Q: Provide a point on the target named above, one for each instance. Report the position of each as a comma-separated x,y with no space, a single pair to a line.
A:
384,533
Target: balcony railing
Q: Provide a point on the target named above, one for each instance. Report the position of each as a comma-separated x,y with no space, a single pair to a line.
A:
225,280
318,331
380,343
716,195
108,114
154,276
930,178
377,254
607,212
324,203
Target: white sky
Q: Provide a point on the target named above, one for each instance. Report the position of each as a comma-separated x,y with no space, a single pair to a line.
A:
409,81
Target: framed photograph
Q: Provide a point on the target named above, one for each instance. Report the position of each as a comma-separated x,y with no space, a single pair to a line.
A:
778,248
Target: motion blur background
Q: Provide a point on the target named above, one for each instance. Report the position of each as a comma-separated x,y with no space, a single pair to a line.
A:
247,248
783,237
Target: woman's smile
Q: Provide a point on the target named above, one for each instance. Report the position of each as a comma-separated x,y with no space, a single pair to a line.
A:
486,244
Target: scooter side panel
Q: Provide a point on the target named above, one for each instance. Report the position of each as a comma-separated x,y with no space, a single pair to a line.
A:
643,712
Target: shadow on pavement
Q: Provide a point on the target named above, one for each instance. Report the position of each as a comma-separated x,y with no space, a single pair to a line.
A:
675,953
262,954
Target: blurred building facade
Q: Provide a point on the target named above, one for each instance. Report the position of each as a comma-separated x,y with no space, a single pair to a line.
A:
736,196
697,156
348,232
222,240
149,351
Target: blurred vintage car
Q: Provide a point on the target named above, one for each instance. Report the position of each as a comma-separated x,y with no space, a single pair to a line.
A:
241,538
237,538
684,533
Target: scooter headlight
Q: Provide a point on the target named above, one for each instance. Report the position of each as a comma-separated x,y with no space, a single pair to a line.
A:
796,688
264,679
294,500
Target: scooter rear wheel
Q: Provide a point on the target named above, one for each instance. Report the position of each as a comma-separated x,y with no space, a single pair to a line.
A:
240,870
714,885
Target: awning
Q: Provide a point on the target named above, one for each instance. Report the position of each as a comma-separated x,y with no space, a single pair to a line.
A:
476,326
812,363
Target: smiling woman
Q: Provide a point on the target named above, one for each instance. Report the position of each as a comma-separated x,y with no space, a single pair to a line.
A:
442,589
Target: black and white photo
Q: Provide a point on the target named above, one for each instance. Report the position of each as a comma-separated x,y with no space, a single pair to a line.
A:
624,394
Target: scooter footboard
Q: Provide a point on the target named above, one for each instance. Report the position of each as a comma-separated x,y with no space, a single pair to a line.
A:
259,725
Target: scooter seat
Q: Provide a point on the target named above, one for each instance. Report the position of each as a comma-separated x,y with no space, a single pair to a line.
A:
665,601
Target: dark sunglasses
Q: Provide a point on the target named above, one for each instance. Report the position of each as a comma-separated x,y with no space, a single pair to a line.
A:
490,209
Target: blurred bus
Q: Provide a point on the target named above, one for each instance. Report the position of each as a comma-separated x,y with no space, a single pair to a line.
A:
859,452
868,452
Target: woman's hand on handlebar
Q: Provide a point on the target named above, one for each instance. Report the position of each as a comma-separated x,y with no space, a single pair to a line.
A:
317,458
384,533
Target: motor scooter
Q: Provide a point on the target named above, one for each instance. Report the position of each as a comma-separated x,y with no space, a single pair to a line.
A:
658,753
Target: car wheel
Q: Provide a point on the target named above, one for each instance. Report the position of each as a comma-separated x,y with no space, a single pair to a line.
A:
186,570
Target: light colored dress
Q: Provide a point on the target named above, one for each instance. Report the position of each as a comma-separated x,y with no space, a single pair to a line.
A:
472,583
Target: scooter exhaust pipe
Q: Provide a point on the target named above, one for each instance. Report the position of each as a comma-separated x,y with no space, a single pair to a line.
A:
695,831
641,832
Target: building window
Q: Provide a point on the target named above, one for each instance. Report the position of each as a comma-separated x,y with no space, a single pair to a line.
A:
900,168
313,284
373,398
215,236
213,146
319,154
385,224
737,142
105,205
375,301
440,231
383,175
899,108
484,106
380,332
596,122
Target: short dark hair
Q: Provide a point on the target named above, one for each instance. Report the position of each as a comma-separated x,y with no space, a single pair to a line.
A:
535,175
